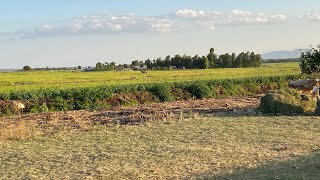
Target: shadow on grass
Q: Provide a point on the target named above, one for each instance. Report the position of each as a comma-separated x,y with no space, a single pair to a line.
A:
137,116
307,167
251,111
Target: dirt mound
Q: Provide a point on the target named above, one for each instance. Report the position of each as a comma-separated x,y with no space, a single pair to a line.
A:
286,102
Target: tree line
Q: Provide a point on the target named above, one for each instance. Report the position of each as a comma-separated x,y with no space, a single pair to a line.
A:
212,60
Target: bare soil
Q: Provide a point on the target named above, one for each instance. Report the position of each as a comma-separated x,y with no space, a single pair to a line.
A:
235,106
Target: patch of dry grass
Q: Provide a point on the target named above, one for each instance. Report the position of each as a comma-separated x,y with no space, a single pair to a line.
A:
17,131
203,147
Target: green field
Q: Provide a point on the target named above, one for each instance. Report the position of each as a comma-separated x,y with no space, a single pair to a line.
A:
66,79
210,147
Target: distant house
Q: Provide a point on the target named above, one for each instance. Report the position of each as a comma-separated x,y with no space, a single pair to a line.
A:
121,68
144,67
89,68
136,67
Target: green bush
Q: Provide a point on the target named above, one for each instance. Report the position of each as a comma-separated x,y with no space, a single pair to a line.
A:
60,104
162,91
200,90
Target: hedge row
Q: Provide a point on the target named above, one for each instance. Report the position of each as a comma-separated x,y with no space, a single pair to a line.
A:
106,96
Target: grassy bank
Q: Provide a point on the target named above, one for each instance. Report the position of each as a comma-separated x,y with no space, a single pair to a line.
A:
203,147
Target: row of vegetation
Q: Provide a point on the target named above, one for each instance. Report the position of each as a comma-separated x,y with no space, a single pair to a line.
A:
97,97
212,60
286,60
35,80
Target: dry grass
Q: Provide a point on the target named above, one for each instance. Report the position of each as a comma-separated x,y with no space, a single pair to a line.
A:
201,147
17,131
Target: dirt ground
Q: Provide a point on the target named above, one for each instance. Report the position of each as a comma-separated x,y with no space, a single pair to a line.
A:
145,112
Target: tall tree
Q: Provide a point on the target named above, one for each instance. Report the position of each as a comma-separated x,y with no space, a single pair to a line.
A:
311,61
148,63
135,63
212,57
206,63
258,60
99,66
112,66
167,61
233,60
26,68
225,60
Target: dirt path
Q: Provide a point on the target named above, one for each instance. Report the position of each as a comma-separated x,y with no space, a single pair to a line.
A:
157,111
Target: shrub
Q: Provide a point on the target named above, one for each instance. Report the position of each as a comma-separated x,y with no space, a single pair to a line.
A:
60,104
39,108
162,91
200,90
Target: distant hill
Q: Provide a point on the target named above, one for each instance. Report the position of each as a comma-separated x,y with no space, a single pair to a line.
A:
282,54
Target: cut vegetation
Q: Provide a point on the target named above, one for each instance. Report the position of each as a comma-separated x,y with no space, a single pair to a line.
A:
200,147
140,130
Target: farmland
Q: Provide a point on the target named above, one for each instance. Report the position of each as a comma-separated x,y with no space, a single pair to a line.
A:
194,138
14,81
43,91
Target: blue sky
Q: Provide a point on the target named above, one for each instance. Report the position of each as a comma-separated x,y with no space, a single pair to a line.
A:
82,32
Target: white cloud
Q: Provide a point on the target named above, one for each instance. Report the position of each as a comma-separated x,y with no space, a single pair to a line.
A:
237,12
261,19
190,13
180,20
236,17
312,16
161,25
279,17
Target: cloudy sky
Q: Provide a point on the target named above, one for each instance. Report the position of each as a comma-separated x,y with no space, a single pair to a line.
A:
53,33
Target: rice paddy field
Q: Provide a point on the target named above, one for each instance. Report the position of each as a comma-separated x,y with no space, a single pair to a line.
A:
13,81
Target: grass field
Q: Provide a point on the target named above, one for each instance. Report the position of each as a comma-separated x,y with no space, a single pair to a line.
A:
67,79
206,147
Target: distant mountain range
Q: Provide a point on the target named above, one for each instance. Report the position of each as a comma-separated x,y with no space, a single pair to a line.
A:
282,54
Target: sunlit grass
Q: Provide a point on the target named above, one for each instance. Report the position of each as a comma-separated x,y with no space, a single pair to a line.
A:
67,79
201,147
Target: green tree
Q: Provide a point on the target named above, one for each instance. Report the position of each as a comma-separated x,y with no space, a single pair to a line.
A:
206,63
135,63
148,63
212,57
99,66
112,66
239,60
225,61
26,68
233,60
167,61
252,60
311,61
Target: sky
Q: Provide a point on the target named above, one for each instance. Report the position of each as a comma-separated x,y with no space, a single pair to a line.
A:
60,33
